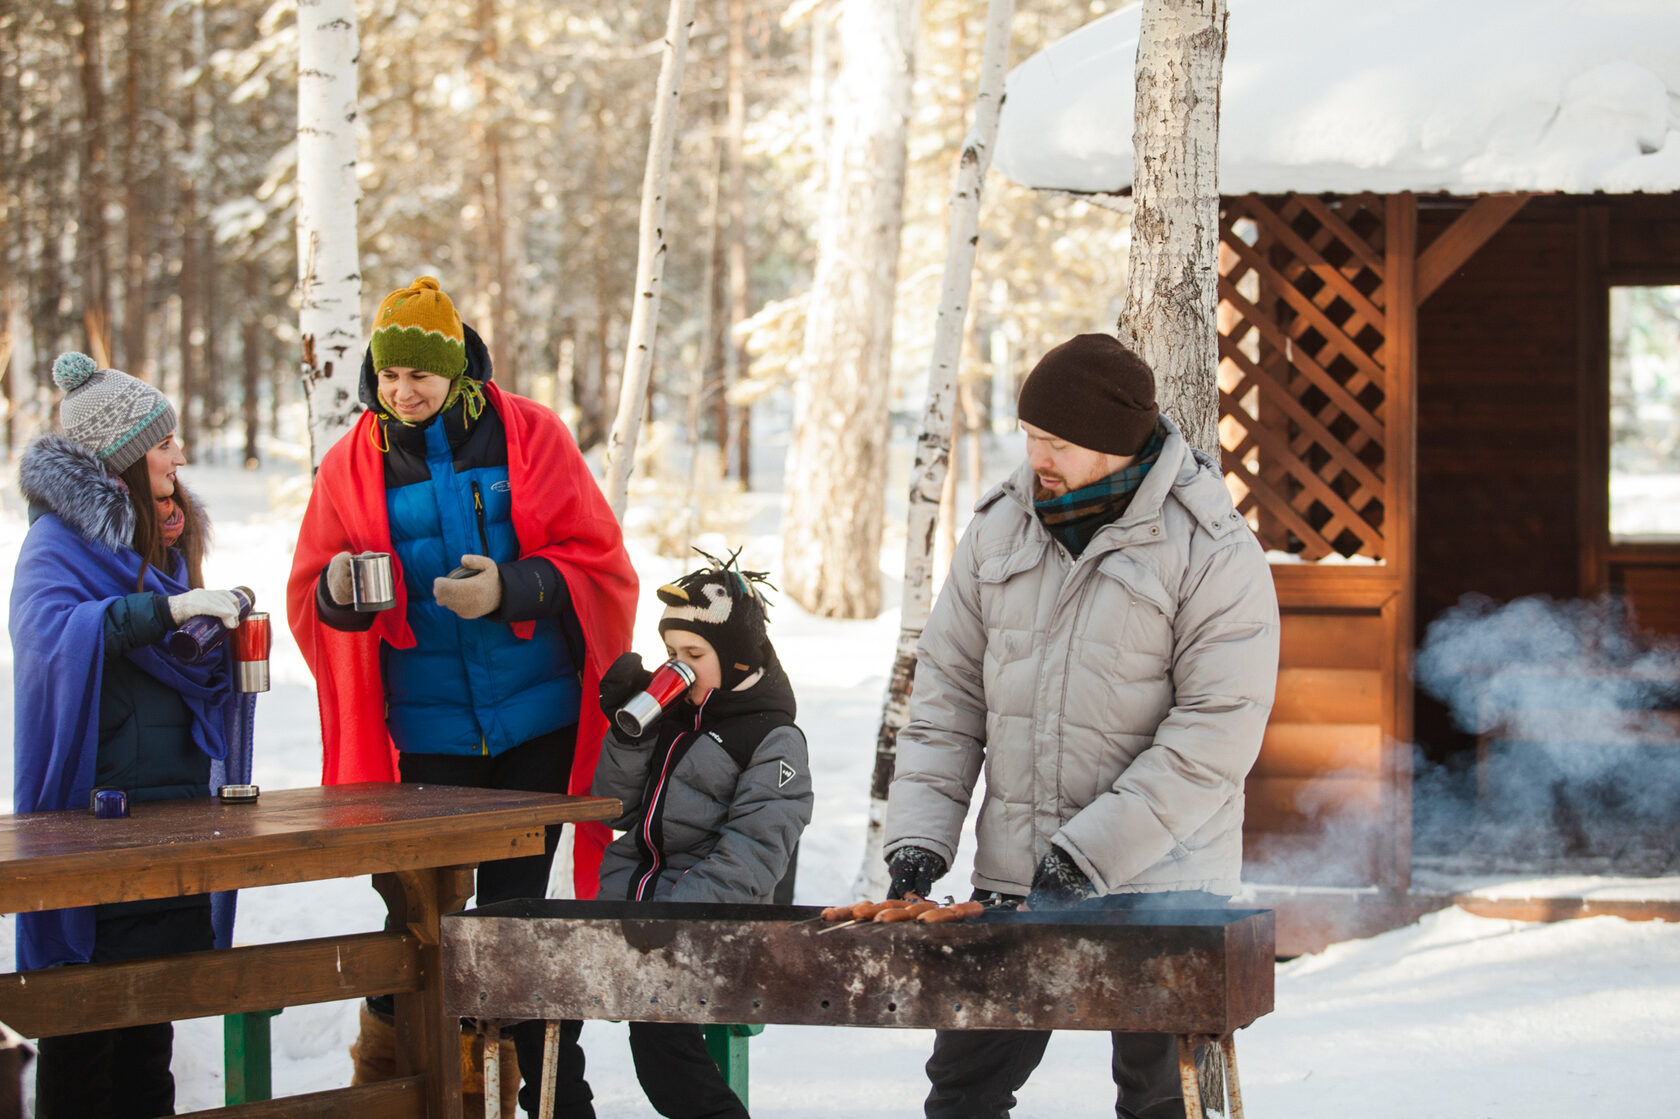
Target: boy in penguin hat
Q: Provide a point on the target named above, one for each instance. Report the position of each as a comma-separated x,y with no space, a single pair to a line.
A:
716,793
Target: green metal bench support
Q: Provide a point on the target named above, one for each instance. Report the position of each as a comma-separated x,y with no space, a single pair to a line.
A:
727,1046
247,1063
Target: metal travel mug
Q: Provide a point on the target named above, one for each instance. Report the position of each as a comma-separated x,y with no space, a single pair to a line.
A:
669,682
372,587
199,635
252,642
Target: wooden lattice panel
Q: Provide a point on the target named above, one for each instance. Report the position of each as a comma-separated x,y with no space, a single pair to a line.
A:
1302,378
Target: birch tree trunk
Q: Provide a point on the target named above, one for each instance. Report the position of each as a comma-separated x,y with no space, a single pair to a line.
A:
933,440
495,285
738,418
1172,283
836,468
329,275
1172,280
650,259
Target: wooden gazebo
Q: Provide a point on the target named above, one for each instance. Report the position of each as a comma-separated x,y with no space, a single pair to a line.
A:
1414,400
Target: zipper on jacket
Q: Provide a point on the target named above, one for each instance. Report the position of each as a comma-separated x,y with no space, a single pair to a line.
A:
656,857
478,512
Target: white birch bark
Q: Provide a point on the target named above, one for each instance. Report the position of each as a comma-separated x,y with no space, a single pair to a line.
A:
933,440
650,259
836,467
1172,284
1170,317
329,273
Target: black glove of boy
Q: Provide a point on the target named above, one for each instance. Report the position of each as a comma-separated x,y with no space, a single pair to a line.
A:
1058,883
622,680
914,870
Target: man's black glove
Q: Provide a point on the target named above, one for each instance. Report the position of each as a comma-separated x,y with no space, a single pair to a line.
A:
914,870
624,679
1058,883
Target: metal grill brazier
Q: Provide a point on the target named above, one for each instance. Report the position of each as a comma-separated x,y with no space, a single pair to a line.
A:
1198,974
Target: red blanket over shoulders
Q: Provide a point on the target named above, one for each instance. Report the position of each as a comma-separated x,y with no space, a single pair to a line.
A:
559,513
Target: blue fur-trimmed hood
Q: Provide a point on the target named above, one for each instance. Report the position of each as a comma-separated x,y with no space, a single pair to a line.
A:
60,476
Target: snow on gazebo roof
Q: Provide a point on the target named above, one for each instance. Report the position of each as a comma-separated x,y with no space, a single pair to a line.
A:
1452,96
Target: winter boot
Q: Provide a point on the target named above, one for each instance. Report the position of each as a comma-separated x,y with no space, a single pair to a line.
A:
374,1052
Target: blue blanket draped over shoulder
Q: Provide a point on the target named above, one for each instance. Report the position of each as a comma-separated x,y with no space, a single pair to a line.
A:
63,586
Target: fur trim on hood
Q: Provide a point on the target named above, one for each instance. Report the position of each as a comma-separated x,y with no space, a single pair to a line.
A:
60,476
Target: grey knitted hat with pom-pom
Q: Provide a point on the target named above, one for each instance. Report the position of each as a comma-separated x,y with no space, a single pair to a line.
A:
117,417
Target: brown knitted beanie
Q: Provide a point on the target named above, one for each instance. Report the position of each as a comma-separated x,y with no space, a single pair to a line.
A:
1093,392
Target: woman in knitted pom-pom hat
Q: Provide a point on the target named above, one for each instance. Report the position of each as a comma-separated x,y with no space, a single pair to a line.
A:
513,594
112,562
732,795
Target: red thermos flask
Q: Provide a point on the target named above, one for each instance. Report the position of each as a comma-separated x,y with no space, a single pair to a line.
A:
670,681
252,642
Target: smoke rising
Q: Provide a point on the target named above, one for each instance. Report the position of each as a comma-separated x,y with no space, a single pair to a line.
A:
1580,715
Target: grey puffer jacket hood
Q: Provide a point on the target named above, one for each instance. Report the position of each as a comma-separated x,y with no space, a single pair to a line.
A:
1116,701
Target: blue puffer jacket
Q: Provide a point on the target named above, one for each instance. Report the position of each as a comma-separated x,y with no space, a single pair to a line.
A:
467,686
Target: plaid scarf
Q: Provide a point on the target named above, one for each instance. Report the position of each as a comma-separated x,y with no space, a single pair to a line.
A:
1075,517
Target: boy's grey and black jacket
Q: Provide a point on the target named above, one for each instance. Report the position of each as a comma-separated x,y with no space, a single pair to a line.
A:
713,803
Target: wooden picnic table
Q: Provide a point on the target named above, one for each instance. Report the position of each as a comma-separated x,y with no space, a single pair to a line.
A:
420,842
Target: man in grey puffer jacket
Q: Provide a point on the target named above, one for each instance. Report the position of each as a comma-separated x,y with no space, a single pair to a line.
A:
1106,646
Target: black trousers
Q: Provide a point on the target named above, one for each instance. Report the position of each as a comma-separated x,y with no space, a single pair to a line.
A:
121,1073
680,1078
975,1074
542,765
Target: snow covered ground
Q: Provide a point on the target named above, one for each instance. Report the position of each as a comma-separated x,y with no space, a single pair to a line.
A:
1455,1016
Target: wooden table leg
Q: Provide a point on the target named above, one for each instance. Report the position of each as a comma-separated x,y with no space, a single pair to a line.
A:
428,1042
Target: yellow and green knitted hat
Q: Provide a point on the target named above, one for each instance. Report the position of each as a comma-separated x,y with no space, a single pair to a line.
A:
416,327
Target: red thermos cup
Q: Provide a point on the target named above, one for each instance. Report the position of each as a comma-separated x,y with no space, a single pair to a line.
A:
252,642
670,681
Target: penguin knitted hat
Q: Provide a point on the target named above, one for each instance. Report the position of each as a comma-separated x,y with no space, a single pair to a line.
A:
1093,392
117,417
722,605
416,327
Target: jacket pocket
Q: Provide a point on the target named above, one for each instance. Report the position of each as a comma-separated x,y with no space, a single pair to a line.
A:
1000,568
1129,624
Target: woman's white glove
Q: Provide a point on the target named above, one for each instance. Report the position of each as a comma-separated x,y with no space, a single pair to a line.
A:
221,605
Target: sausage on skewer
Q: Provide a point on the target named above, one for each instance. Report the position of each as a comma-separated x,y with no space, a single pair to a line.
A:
905,912
962,911
865,911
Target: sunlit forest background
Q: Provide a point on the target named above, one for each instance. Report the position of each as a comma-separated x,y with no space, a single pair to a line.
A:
147,172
